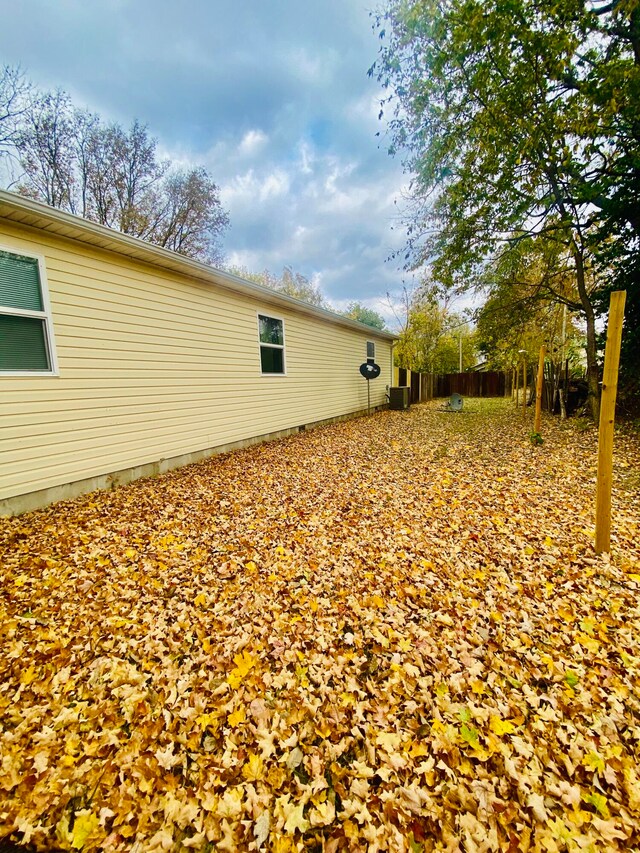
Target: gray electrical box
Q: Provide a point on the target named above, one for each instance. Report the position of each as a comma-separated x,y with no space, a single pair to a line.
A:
399,397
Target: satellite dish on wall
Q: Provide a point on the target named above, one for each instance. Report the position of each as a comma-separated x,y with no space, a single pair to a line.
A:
455,403
370,371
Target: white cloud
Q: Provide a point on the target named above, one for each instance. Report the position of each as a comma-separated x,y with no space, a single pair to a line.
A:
312,68
249,187
283,118
307,158
275,184
366,109
253,141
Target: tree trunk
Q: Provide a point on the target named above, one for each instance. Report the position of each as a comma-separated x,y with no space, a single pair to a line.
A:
593,399
564,391
564,381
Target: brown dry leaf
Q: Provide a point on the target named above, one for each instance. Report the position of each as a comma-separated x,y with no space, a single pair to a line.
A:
387,634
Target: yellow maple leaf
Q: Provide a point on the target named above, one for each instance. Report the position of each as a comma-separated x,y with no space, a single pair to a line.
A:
230,804
322,728
501,727
593,761
560,832
599,802
631,785
84,825
350,829
208,721
244,663
275,777
589,643
146,785
295,819
418,749
253,770
237,717
200,599
323,815
29,675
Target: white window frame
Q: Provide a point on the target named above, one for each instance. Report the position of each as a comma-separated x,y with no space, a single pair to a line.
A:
45,314
373,345
272,346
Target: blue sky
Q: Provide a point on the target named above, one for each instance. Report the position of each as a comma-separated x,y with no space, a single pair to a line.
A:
272,97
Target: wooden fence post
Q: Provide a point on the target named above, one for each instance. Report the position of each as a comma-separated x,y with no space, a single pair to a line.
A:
607,417
524,386
539,384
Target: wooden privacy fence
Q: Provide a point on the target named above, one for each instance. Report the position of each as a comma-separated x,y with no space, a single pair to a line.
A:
490,383
426,386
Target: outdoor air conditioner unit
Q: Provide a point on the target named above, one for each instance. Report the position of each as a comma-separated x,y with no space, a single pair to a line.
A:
399,397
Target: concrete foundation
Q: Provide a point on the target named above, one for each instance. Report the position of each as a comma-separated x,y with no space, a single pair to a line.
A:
35,500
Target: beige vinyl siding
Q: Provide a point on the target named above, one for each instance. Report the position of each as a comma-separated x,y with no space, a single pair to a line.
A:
154,365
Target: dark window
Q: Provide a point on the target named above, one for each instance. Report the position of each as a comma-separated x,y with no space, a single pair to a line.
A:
271,334
271,360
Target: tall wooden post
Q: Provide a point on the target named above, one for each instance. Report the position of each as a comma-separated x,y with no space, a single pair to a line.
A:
607,417
524,386
539,385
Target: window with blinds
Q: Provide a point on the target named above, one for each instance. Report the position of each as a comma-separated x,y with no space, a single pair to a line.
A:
26,337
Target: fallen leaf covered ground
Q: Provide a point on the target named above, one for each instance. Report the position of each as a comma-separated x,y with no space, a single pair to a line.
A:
388,634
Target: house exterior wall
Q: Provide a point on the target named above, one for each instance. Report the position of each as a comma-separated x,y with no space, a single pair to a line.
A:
158,366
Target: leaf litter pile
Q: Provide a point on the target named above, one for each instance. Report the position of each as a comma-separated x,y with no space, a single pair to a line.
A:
388,634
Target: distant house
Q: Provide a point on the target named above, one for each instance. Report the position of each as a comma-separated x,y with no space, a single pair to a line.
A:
119,359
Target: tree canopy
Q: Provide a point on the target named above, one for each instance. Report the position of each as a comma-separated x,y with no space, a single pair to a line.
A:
13,91
432,337
71,159
289,282
517,120
359,312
